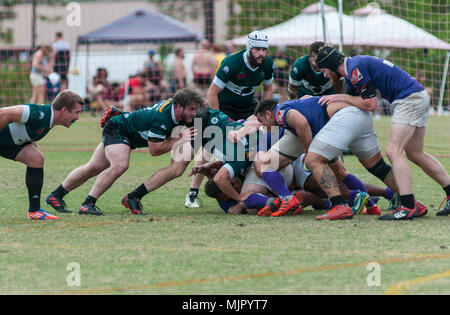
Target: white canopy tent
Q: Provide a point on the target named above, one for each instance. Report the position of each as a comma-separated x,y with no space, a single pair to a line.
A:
368,26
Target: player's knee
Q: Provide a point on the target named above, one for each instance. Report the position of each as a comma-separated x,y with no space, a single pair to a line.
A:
392,152
415,157
380,169
119,168
178,169
36,160
311,161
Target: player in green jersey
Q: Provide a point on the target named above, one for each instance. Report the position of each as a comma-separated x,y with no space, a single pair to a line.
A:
233,90
306,78
153,127
22,126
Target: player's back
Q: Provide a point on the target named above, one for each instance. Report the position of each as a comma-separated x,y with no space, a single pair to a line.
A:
309,108
392,82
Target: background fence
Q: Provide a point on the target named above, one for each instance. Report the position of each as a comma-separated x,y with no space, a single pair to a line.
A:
99,53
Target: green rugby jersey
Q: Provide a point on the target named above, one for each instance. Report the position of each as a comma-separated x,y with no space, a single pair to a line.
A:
237,157
238,81
36,122
311,82
154,123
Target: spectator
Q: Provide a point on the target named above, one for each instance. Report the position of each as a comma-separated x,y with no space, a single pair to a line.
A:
61,49
421,78
94,96
153,69
138,95
203,67
102,76
231,49
282,63
41,67
219,55
111,96
179,71
156,87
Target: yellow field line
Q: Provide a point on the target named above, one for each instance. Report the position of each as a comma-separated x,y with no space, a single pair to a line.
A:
245,277
397,289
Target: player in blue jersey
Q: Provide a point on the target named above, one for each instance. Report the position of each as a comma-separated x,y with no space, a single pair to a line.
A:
22,126
323,133
366,74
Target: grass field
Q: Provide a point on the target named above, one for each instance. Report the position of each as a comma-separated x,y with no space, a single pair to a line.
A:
175,250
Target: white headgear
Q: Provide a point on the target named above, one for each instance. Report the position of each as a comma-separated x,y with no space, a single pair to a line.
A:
257,39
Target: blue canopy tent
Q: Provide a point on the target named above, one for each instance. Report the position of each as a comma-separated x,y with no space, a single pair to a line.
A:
139,27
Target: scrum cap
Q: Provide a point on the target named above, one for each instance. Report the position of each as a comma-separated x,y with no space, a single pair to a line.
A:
257,39
328,58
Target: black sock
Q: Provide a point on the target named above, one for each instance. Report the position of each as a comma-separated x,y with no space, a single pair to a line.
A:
34,178
139,192
447,190
195,190
407,201
337,200
89,199
60,192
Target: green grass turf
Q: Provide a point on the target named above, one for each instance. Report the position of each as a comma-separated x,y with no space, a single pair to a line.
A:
175,250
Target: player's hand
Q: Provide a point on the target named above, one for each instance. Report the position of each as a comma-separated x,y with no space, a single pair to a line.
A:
236,209
233,136
327,99
188,134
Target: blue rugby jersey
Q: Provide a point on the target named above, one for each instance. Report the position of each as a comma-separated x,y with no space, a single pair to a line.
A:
392,82
310,108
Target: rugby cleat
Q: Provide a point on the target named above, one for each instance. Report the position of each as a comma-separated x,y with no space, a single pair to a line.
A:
286,206
110,112
339,212
192,200
394,203
134,204
374,210
360,202
446,210
402,213
42,215
272,205
421,208
57,203
90,208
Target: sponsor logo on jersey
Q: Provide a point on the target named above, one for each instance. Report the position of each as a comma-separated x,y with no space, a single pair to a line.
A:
41,115
214,120
40,131
280,117
226,69
356,76
241,76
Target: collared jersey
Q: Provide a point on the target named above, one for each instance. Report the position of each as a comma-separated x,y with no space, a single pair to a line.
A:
392,82
238,81
235,156
311,82
154,123
36,122
310,108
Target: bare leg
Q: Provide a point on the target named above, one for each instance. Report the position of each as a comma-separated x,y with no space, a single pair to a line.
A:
80,175
118,156
323,174
399,136
430,165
